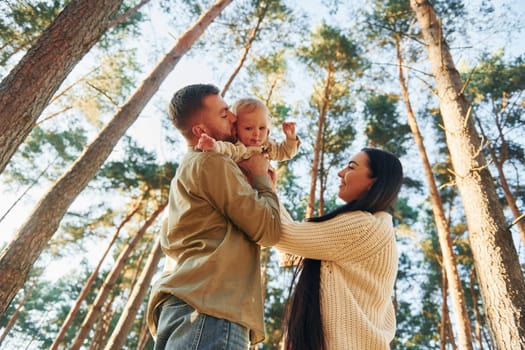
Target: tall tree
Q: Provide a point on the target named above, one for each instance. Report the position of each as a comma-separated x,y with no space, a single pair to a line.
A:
497,90
21,23
96,309
338,58
87,286
29,241
265,21
119,334
394,19
496,259
28,88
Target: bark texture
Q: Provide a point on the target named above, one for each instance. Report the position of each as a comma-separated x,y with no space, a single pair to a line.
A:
29,87
501,281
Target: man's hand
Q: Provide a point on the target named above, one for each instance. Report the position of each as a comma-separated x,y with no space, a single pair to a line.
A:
256,165
289,130
205,143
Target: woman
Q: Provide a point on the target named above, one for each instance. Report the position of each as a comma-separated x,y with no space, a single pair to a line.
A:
342,299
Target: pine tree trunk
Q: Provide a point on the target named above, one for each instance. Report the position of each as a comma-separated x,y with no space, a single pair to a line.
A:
28,88
310,207
19,256
496,260
247,47
111,279
322,176
477,316
498,163
121,331
126,15
87,286
98,339
15,314
145,335
445,242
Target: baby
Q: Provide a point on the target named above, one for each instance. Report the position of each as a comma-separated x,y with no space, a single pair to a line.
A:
253,129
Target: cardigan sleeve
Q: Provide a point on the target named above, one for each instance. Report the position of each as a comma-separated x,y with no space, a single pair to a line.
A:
349,236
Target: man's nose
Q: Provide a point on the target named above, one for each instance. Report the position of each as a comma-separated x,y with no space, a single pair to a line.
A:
232,117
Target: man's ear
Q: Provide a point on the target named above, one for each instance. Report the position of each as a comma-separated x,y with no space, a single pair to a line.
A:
198,130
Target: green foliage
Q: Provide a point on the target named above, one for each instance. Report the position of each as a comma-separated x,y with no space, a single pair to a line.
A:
22,22
138,170
496,87
497,81
43,313
384,127
276,295
52,148
331,50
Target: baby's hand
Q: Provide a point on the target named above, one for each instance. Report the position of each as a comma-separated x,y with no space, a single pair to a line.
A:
206,143
289,130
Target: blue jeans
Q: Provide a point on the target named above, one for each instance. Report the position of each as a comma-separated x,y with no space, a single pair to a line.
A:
180,327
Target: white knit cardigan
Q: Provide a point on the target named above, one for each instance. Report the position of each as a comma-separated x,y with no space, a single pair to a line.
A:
358,269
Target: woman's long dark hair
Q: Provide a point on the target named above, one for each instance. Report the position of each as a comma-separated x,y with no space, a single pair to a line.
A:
303,327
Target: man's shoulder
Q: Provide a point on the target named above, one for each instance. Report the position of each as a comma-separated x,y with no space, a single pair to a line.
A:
208,159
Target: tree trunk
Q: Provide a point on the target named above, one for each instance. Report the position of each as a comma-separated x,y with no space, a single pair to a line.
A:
498,163
15,314
21,253
246,50
444,311
310,207
477,316
28,88
100,333
496,260
121,331
445,242
123,17
145,335
87,286
322,176
111,279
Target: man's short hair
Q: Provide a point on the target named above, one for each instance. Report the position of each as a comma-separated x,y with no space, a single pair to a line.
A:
186,102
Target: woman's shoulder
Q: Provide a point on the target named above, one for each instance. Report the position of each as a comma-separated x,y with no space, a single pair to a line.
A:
365,218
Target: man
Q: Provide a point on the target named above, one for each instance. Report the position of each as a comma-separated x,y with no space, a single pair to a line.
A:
210,294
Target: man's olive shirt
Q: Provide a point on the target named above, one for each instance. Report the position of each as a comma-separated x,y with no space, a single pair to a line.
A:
211,236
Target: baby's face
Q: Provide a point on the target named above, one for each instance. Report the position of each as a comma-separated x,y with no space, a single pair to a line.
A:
252,127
